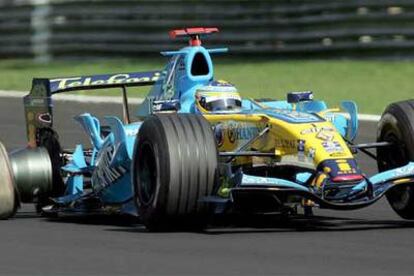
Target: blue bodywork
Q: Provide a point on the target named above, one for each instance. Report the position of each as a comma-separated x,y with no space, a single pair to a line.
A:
99,180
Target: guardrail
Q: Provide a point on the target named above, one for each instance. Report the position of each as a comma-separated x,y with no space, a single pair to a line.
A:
47,29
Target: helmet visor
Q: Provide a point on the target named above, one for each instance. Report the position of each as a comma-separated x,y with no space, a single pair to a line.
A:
229,104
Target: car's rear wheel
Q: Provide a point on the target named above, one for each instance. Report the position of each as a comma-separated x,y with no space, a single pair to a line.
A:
49,139
397,126
8,195
174,166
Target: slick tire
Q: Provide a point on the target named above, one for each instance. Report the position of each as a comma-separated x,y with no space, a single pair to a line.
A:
8,196
174,166
49,139
397,126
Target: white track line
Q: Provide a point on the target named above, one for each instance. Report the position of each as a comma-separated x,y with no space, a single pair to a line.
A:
114,99
74,98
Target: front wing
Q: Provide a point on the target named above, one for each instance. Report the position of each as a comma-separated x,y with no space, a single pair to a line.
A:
361,195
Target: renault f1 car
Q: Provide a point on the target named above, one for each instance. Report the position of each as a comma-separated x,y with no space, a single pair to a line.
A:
198,149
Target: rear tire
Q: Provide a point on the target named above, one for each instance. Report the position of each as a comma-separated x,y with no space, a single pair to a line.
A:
49,139
174,166
8,196
397,126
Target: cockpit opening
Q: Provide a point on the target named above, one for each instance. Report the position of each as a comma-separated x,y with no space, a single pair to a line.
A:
199,66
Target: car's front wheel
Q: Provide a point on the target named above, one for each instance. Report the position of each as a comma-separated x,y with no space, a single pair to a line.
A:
174,167
397,126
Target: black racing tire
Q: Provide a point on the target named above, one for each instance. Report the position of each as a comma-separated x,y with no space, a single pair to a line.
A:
397,126
8,195
49,139
174,165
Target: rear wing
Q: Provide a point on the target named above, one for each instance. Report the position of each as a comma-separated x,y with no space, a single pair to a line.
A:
38,103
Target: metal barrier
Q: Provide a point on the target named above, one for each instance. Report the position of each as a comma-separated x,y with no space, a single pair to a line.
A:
46,29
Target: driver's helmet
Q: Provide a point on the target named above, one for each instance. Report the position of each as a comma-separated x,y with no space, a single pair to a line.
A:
218,96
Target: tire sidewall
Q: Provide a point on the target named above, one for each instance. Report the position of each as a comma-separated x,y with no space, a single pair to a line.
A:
8,190
397,126
154,137
389,126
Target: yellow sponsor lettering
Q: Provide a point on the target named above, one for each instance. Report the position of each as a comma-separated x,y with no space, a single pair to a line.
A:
143,79
156,76
98,82
62,82
74,84
87,81
119,78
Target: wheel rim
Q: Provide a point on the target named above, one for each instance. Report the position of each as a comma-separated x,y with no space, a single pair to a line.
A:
147,174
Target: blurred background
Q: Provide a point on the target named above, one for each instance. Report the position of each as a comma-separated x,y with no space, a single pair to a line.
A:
343,49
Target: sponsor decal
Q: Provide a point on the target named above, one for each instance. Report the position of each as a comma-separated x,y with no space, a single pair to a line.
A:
65,83
325,135
316,129
344,167
236,132
285,143
340,167
332,146
322,133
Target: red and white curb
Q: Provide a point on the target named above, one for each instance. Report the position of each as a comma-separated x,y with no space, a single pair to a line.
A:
118,99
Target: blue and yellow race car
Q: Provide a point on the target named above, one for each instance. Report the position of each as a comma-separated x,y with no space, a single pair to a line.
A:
198,149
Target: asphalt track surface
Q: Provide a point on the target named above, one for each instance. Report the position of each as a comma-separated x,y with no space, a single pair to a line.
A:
371,241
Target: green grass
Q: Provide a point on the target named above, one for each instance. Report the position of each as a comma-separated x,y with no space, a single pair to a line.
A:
372,84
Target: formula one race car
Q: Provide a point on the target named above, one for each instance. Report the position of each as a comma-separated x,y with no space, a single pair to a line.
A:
199,149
